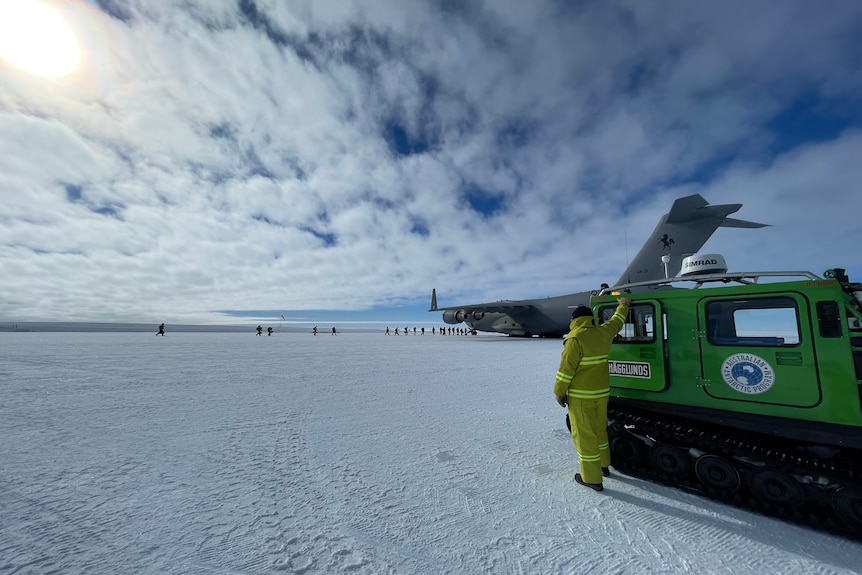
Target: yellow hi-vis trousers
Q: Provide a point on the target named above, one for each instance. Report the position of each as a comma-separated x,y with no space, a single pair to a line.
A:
589,419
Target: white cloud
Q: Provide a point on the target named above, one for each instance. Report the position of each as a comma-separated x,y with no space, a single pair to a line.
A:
217,155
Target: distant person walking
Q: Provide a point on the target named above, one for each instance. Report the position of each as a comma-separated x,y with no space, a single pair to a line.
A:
334,332
387,331
583,385
259,330
161,329
269,331
314,330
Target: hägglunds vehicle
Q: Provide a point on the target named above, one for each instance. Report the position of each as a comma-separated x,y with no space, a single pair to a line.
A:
746,387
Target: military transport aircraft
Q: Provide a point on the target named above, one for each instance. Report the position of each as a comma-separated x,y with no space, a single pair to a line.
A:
680,233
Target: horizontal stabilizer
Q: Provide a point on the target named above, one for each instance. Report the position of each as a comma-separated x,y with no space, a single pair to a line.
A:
735,223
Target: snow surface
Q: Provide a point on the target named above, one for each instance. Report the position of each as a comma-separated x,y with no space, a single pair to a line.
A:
357,453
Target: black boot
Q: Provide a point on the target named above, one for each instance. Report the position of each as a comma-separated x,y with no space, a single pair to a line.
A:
606,471
593,486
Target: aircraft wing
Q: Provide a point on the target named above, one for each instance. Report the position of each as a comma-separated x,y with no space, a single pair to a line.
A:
496,307
503,306
545,316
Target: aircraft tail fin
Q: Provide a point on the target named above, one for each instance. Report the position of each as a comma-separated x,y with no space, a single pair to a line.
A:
433,300
681,232
683,208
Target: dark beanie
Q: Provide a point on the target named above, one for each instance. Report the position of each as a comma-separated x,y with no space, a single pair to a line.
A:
582,311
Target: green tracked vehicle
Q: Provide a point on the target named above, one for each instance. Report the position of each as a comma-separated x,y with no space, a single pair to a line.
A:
746,387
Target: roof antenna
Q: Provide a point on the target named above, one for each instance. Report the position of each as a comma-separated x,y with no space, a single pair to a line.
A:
626,236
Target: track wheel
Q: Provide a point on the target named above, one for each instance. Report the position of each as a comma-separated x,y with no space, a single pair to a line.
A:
718,473
775,487
626,450
670,460
847,503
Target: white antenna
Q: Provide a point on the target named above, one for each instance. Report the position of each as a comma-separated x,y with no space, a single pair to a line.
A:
665,260
626,239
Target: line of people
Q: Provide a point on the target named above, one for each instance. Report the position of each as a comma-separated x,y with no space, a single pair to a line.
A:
421,331
442,331
314,331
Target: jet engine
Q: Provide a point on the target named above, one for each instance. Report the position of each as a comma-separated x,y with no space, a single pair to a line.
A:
454,316
478,315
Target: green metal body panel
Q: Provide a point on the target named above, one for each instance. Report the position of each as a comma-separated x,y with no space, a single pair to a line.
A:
682,355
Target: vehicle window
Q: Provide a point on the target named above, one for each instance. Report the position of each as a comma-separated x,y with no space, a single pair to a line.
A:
767,322
639,326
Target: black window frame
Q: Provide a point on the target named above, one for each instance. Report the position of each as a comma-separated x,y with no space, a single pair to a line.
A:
721,329
639,311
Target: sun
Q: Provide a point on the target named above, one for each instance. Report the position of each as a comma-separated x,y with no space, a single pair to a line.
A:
35,38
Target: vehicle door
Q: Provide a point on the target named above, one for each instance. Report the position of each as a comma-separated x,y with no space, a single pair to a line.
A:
637,358
759,348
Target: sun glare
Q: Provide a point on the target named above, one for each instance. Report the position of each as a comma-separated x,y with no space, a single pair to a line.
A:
35,38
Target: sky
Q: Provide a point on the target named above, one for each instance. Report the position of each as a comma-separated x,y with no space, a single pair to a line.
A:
222,453
217,161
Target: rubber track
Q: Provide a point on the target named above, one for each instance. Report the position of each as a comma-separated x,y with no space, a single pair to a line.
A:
747,452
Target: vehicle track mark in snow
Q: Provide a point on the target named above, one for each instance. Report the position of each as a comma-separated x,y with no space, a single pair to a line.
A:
544,469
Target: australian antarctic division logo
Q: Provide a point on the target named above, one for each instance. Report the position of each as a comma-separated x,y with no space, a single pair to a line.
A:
747,373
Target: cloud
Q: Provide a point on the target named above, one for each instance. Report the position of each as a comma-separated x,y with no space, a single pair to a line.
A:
253,155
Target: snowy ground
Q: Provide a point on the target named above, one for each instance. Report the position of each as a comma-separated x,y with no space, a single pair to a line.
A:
358,453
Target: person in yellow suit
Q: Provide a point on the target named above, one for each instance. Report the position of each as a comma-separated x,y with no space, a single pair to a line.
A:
583,385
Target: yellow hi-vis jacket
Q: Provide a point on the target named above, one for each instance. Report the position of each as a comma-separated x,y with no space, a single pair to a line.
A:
583,372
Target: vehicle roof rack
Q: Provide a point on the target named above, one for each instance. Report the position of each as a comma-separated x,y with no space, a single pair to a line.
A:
701,279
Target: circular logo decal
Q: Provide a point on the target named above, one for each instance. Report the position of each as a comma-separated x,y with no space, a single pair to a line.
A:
747,373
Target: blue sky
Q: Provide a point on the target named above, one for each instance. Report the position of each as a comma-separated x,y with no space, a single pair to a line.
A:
232,160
